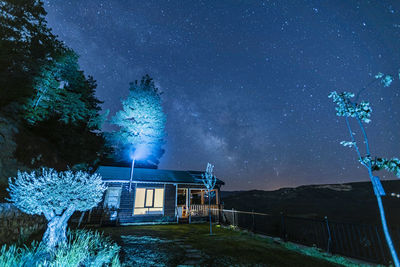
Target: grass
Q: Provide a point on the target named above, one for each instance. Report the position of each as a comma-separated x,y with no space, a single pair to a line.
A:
84,248
170,245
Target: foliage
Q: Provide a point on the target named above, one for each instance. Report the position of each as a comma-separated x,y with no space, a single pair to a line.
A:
209,179
386,80
316,253
362,112
54,192
61,90
43,89
391,165
26,43
84,248
346,108
142,121
349,144
65,111
75,253
57,196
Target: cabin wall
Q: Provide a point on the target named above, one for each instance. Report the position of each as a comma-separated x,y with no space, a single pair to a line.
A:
169,200
127,203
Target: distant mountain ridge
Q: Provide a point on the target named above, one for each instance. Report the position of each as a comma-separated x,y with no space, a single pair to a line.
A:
349,202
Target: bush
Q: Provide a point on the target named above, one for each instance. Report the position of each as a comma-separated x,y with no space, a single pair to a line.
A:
84,248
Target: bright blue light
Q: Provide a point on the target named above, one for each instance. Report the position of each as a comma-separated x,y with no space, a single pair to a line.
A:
139,152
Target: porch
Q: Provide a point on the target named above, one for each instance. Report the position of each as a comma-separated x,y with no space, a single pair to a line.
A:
192,203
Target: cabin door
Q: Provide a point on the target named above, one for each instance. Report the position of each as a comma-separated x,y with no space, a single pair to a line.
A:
183,202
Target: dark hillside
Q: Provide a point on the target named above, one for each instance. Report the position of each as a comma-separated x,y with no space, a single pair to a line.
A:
352,202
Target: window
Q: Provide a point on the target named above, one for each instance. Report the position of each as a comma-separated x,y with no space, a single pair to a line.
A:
112,198
149,201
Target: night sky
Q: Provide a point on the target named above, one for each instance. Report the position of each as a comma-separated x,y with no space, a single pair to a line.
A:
246,82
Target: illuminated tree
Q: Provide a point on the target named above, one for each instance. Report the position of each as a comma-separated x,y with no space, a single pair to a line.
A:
63,110
347,108
61,90
44,96
26,44
142,120
209,181
56,195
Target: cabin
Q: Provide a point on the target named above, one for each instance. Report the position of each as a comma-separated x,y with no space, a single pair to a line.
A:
139,195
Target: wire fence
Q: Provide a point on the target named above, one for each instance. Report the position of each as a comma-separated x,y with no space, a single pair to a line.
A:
359,241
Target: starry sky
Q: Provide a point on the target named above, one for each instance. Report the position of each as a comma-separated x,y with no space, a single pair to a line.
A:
245,83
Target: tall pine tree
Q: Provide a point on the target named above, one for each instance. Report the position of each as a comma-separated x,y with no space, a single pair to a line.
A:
44,96
26,43
141,123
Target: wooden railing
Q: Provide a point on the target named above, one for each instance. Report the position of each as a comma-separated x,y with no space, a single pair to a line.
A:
202,210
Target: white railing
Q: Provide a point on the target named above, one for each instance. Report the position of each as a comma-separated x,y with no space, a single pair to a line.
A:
202,210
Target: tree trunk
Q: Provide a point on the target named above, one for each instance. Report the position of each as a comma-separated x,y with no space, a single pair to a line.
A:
55,234
52,236
386,232
209,212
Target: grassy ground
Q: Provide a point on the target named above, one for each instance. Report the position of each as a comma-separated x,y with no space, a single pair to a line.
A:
171,245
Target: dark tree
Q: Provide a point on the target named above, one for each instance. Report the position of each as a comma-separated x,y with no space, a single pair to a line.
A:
26,43
58,121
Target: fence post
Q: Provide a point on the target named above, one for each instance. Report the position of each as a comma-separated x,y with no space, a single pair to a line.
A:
233,217
81,218
252,215
329,235
283,230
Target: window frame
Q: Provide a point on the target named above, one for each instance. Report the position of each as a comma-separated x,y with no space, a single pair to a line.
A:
153,201
105,203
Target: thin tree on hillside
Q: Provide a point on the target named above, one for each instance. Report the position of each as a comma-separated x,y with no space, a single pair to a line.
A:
348,108
209,181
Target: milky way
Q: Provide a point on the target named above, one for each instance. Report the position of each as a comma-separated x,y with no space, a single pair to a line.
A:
246,82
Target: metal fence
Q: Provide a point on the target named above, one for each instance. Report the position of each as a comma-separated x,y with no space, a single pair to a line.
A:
359,241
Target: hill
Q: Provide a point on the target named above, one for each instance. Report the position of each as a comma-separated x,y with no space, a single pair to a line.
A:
351,202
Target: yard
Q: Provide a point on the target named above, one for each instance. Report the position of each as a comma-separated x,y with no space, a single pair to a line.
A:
184,244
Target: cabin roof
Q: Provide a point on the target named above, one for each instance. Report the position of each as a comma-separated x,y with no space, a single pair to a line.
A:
115,173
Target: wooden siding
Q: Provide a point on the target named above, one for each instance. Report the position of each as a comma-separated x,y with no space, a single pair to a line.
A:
126,203
169,200
150,185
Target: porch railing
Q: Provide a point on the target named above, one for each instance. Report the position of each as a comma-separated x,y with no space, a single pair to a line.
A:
202,210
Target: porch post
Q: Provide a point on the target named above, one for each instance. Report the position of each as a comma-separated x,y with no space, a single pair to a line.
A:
202,197
217,196
176,203
186,198
188,207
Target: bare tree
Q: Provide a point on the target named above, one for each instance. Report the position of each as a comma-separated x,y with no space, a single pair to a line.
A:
209,181
347,108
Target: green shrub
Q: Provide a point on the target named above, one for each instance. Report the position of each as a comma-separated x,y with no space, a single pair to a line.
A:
84,248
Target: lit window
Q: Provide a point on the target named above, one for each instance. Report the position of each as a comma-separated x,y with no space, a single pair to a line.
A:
149,201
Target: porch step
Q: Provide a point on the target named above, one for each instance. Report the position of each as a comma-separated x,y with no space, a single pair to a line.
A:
183,220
